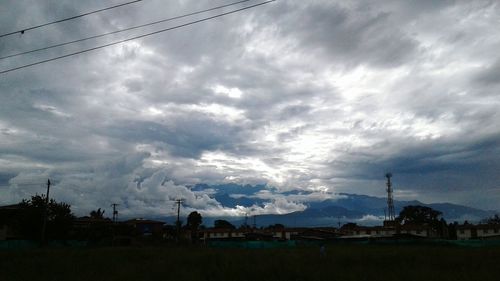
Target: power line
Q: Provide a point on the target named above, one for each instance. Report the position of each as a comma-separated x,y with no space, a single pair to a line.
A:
66,19
121,30
133,38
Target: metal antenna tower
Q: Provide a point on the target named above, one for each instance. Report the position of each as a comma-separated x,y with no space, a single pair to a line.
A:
390,200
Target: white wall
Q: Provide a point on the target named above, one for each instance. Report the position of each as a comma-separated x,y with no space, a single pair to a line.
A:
467,234
487,232
421,233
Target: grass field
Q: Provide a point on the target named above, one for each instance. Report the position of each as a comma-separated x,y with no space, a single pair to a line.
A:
343,262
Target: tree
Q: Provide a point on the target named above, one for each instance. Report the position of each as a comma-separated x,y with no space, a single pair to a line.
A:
97,214
349,226
452,230
30,220
492,220
224,224
277,226
194,220
98,228
418,215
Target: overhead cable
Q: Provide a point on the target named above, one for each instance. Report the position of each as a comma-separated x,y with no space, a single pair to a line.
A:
67,19
134,38
121,30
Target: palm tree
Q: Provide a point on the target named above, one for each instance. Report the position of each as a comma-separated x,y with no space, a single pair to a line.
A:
97,214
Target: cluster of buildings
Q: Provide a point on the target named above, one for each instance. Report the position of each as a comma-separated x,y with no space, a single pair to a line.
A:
480,231
351,232
390,230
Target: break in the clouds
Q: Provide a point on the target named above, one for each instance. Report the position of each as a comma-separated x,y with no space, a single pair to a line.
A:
302,99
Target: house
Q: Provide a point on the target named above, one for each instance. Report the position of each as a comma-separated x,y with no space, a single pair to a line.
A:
312,234
88,228
480,231
418,230
260,236
146,227
87,222
247,234
466,232
222,234
286,233
488,231
8,215
355,231
387,231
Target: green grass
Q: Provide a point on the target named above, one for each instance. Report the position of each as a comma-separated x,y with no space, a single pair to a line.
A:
343,262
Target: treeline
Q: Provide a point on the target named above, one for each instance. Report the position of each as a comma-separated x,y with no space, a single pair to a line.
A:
27,221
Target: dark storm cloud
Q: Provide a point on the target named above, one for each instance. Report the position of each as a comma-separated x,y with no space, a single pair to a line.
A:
348,36
185,137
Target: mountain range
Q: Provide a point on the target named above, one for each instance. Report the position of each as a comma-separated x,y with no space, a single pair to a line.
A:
366,210
342,208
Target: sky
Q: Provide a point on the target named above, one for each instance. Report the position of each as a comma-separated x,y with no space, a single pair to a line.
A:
306,98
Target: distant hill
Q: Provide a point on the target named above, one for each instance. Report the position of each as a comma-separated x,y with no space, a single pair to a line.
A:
361,209
349,210
365,210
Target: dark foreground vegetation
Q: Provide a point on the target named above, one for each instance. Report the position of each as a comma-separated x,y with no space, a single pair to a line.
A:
342,262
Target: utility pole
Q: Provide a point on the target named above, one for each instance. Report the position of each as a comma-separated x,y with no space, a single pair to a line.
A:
246,220
115,212
254,221
178,222
178,202
45,212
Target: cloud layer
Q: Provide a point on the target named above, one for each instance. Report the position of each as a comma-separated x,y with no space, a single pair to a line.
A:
317,96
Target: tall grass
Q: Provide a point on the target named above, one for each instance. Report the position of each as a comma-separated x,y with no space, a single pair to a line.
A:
342,262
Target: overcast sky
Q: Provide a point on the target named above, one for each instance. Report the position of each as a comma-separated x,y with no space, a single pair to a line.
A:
318,96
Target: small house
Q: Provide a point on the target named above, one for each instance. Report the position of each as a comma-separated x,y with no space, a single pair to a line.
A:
146,227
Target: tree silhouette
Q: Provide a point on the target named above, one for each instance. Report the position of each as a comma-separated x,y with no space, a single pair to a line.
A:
97,214
419,215
492,220
349,226
30,220
194,220
276,226
224,224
